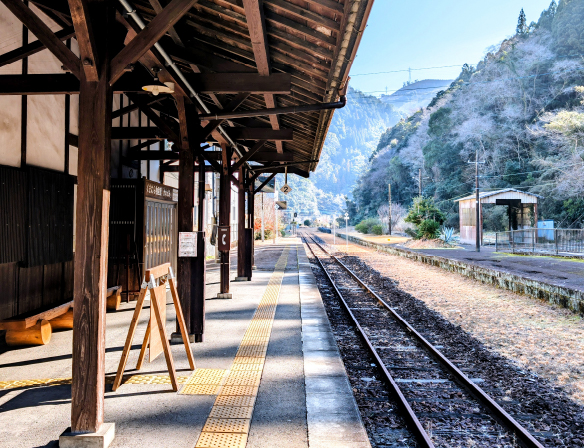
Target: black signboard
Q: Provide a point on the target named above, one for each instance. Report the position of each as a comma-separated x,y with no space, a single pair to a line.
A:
159,191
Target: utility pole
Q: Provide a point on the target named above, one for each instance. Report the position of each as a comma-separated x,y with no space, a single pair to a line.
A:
478,226
389,214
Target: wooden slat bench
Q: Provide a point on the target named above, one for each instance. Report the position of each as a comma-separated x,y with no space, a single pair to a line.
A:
36,328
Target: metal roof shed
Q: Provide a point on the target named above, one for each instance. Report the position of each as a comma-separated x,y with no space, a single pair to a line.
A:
520,205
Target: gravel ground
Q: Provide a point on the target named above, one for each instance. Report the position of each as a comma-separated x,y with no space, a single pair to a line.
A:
546,339
541,406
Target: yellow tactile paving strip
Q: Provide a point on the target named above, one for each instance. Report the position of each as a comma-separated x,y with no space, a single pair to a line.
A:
230,418
205,381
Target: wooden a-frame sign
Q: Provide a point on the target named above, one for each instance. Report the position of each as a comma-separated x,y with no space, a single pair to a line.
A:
155,336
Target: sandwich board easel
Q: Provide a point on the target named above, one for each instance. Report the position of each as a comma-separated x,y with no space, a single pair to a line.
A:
155,336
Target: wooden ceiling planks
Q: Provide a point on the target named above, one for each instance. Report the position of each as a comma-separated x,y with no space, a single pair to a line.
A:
314,41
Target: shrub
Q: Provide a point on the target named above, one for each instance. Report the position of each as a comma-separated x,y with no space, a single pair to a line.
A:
428,228
366,226
377,229
361,227
424,209
267,235
411,232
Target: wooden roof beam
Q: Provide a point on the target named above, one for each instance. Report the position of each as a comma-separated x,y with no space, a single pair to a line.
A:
260,134
34,47
248,155
319,38
254,13
85,38
212,125
36,26
304,14
241,82
147,37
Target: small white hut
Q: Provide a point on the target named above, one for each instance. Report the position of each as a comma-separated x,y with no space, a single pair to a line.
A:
522,207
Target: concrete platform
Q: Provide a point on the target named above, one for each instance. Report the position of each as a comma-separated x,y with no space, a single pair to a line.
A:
560,271
303,400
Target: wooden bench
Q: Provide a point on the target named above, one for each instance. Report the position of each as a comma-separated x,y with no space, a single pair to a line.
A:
36,328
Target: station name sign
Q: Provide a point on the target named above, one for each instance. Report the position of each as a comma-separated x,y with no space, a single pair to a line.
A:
159,191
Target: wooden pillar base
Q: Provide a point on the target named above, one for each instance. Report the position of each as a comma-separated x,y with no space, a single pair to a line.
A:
176,338
39,334
99,439
224,273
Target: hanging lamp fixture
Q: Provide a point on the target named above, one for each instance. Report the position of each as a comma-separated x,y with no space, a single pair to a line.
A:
158,87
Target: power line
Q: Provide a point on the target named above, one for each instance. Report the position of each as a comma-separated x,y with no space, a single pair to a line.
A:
407,70
484,82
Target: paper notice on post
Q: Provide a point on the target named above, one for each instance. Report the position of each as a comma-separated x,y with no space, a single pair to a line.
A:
187,244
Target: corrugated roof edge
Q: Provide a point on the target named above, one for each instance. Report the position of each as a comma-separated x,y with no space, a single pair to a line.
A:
486,194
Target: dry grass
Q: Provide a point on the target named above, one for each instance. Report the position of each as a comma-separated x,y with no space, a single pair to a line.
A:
546,339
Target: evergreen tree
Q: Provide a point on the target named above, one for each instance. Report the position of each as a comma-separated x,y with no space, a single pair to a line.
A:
522,23
547,16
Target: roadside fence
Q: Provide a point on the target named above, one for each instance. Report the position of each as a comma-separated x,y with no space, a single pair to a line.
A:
541,241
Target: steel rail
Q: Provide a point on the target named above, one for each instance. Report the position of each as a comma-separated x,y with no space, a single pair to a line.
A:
410,417
524,437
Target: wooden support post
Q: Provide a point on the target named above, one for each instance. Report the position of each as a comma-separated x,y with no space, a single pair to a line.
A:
88,363
251,216
186,272
198,322
241,255
224,209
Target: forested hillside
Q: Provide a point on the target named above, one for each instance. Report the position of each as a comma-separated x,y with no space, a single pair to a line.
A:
353,135
521,109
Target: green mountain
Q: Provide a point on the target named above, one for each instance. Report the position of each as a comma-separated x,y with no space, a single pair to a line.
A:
521,109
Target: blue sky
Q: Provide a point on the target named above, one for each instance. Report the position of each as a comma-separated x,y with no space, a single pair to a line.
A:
430,33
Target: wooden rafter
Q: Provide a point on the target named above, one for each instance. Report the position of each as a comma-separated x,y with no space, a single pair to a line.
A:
32,48
256,25
146,38
44,34
248,155
212,125
85,38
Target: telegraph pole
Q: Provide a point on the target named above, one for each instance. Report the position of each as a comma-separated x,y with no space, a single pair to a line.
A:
389,216
478,225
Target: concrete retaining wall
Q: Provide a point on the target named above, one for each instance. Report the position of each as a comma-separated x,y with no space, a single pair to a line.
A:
572,299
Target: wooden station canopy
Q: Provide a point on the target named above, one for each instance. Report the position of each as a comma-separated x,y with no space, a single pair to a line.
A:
264,76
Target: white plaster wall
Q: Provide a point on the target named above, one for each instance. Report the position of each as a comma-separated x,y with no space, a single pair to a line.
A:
10,106
45,146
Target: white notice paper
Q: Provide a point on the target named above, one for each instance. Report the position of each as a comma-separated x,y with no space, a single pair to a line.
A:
187,244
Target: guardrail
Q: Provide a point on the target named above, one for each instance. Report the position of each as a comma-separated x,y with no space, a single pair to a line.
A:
541,241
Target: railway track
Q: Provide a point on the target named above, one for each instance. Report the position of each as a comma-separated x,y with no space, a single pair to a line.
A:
440,404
